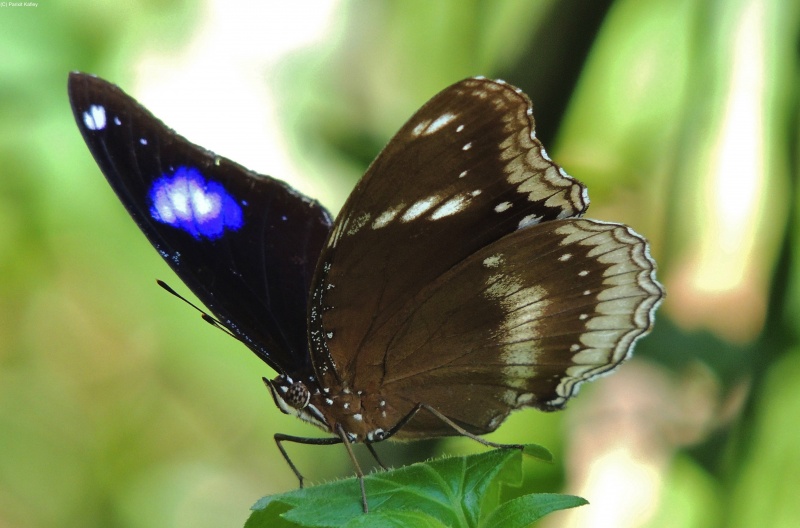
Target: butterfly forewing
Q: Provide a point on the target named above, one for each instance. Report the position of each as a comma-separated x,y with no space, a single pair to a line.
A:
462,173
246,244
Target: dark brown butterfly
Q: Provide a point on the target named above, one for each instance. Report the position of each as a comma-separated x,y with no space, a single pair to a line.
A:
457,284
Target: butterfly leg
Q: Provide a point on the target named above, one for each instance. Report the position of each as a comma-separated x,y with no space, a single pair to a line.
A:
460,430
375,455
464,432
280,437
360,474
341,439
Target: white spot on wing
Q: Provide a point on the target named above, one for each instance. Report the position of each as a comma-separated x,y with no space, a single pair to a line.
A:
495,422
95,117
419,208
525,399
467,146
387,216
358,223
504,206
509,397
450,207
493,261
523,307
420,128
439,123
529,220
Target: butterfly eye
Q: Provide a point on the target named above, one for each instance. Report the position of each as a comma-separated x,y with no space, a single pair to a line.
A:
288,395
298,395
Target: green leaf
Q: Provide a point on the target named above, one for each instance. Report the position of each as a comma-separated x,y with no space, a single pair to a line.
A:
523,511
395,519
537,451
456,492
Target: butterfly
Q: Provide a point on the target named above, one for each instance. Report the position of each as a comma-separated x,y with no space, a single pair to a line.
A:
458,283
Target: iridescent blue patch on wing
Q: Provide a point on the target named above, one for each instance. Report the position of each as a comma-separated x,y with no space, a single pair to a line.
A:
186,200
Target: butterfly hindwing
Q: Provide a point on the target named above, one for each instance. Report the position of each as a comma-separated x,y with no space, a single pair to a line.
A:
523,322
244,243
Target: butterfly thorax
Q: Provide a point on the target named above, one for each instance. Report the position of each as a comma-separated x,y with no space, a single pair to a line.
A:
364,416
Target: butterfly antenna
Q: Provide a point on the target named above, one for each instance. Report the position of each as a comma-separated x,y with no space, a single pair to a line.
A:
206,317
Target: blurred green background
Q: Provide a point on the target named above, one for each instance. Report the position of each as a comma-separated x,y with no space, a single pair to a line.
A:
120,407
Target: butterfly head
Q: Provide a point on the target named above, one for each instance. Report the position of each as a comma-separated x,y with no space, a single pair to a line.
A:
294,397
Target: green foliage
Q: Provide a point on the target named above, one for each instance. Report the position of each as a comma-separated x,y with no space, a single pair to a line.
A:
456,492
